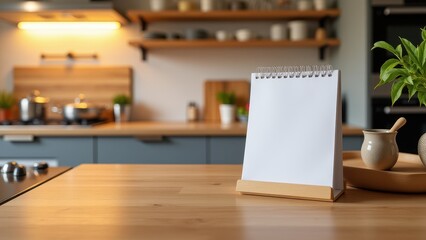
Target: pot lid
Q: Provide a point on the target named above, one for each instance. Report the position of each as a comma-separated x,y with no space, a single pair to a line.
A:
37,98
80,102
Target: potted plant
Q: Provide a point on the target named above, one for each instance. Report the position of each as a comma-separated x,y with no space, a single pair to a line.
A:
406,70
227,107
242,113
6,103
121,107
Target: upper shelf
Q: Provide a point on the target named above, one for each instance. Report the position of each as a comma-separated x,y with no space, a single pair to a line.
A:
162,44
149,16
144,45
146,17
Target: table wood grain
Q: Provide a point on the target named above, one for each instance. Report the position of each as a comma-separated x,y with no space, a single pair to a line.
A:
198,202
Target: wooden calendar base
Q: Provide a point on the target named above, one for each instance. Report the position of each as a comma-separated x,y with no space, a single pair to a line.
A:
288,190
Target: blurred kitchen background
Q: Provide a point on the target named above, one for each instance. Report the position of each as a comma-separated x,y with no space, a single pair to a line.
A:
171,78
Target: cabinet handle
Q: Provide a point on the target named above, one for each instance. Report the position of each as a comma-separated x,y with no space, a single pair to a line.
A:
404,11
18,138
150,138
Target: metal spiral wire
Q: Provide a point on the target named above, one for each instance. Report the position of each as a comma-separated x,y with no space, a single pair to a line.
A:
279,72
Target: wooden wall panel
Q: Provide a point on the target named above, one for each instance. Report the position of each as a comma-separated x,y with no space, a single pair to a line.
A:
63,84
241,88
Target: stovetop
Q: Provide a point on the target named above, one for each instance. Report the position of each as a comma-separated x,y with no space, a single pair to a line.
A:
12,186
54,123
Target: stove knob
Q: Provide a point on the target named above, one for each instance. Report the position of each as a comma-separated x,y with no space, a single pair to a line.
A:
19,170
9,167
41,165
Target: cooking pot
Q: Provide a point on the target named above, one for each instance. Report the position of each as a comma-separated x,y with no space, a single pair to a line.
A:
33,107
79,110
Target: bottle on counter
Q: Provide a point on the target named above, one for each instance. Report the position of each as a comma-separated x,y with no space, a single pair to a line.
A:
192,112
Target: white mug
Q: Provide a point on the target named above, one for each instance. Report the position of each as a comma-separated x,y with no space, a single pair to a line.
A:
243,35
304,5
158,5
298,30
320,4
278,32
222,36
206,5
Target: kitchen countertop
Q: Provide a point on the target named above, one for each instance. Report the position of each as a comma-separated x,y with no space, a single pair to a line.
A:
198,202
144,129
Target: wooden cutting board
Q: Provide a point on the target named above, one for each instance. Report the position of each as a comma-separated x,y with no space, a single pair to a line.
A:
63,84
241,88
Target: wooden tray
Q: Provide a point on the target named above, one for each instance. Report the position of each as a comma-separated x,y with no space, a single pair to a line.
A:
407,176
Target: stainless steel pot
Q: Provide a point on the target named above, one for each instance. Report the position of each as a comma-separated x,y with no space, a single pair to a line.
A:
79,110
33,107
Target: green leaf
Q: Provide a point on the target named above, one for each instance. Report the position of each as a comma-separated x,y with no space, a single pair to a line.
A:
386,46
396,91
411,91
421,53
399,50
409,80
411,50
389,64
422,98
393,74
423,34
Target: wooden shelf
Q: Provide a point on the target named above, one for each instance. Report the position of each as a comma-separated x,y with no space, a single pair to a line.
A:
148,16
145,45
161,44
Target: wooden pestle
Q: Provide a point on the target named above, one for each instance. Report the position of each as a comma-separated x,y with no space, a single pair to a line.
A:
398,124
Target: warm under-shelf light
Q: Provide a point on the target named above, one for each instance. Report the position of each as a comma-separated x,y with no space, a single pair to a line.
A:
69,25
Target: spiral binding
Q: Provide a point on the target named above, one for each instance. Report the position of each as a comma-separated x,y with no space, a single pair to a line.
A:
293,71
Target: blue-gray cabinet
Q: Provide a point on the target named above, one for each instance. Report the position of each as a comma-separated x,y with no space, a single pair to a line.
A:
66,151
165,150
226,150
352,143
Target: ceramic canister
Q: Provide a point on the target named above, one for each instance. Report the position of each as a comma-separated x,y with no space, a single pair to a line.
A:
298,30
320,4
158,5
278,32
243,35
207,5
304,5
379,149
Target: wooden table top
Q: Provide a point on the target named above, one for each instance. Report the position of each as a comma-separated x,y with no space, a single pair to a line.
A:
198,202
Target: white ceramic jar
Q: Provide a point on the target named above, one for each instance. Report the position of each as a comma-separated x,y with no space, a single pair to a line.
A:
243,35
298,30
320,4
222,35
207,5
279,32
158,5
304,5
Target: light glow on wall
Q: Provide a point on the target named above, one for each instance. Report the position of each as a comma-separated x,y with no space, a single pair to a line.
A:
31,6
69,25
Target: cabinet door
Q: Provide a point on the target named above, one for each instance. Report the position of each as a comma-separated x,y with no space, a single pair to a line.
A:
66,151
226,150
352,143
169,150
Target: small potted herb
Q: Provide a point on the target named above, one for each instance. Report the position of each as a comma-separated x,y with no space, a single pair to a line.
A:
227,107
6,103
242,113
122,104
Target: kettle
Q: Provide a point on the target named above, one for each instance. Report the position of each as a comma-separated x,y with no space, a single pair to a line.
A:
33,107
